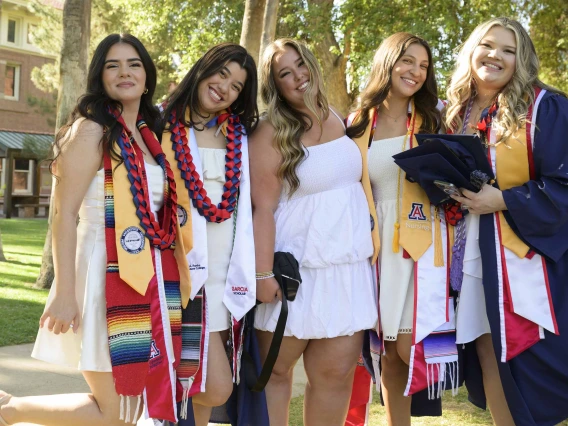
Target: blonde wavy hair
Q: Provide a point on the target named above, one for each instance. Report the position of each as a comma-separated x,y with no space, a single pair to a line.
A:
514,99
289,123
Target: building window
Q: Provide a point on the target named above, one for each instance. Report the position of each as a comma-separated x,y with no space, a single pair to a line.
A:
12,82
45,179
12,23
23,176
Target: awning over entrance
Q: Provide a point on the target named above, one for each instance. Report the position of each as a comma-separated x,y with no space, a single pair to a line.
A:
32,145
15,147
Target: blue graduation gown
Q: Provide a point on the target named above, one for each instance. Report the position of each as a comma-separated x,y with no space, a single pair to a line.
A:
536,381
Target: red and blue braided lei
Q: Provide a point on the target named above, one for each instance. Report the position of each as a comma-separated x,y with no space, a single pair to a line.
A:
160,235
201,201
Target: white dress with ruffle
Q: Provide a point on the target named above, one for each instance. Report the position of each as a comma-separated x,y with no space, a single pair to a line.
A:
325,225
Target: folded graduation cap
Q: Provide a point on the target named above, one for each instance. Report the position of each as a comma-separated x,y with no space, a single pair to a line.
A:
457,159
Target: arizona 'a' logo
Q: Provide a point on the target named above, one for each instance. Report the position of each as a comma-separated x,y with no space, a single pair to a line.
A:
417,212
154,351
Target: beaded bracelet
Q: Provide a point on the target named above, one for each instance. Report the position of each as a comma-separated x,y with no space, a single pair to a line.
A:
264,275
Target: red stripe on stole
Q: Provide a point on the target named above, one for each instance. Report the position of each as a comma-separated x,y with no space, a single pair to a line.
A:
419,379
360,397
159,392
520,333
415,303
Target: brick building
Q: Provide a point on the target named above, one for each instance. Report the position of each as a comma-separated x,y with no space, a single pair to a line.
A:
27,115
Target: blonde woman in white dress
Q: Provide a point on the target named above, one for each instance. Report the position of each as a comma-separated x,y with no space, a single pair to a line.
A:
308,199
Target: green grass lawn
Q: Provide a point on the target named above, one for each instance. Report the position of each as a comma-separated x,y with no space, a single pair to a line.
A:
456,411
20,304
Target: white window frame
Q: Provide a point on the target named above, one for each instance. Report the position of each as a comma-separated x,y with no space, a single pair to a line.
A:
18,31
17,73
29,186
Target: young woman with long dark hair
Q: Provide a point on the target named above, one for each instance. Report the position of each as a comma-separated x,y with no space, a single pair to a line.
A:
207,120
399,101
106,313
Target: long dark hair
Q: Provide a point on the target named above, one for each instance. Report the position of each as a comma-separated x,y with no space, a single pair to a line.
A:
380,82
186,94
95,103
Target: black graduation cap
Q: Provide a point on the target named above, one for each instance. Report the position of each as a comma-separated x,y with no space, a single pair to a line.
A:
456,159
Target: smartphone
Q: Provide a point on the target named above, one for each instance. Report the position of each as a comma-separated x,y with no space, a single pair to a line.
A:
448,188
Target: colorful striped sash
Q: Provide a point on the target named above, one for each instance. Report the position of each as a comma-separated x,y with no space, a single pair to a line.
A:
143,315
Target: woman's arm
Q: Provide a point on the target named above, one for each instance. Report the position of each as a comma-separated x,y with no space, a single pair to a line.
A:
538,210
265,193
77,164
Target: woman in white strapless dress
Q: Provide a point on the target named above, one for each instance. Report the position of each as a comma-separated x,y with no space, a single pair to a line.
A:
219,89
73,328
315,207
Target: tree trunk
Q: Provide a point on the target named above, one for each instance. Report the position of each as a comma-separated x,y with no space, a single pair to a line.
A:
46,273
2,257
252,27
333,64
269,24
74,56
72,83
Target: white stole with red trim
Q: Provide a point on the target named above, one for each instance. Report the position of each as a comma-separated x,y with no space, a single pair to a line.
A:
525,304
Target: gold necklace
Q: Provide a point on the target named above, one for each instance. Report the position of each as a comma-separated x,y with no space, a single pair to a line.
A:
394,118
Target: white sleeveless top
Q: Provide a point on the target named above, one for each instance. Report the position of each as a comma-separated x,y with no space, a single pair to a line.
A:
326,225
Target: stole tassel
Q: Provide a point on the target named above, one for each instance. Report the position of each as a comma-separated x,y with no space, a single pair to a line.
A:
438,252
136,415
127,419
185,399
121,407
395,239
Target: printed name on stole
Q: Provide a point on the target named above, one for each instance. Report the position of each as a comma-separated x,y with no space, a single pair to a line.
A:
423,226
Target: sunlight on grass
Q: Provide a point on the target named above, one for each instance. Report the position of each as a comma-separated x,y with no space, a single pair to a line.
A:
456,411
20,304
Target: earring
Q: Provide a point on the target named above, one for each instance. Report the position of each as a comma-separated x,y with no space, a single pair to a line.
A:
145,90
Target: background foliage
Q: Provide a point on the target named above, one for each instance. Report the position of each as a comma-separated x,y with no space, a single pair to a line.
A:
348,32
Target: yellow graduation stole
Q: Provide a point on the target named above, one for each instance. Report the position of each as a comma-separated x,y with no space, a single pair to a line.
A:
512,169
136,266
413,230
184,206
136,269
415,217
363,145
